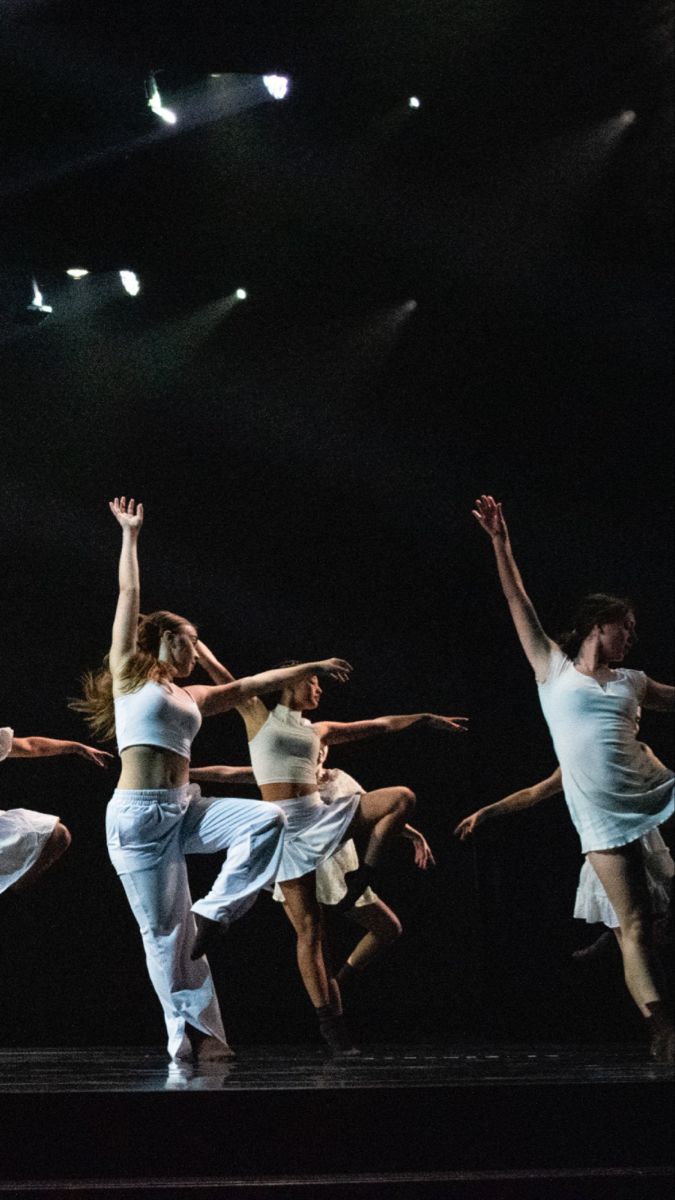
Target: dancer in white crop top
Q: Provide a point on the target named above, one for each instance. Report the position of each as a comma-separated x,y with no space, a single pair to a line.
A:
615,789
284,751
155,817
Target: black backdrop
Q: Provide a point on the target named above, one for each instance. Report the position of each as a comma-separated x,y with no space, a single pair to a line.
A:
308,459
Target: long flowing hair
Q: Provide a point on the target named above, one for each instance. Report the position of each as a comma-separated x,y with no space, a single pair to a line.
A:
596,609
97,703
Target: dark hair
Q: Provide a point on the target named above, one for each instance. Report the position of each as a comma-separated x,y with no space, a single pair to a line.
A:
271,699
596,609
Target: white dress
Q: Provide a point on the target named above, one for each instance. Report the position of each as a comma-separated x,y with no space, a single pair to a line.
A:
591,903
615,787
330,874
23,833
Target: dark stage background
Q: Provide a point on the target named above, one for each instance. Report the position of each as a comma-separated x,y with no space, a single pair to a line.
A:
308,459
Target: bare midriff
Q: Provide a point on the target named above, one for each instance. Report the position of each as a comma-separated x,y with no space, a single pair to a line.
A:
285,791
145,767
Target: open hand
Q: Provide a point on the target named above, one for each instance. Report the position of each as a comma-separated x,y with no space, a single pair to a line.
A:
334,668
451,724
489,515
100,758
423,855
469,825
129,516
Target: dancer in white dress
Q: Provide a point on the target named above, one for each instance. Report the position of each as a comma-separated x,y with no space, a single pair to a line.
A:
155,817
31,842
615,789
284,749
591,902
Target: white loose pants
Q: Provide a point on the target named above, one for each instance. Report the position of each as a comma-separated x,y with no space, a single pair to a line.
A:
149,833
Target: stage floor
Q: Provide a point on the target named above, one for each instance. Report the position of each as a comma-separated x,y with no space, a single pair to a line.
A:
540,1122
264,1068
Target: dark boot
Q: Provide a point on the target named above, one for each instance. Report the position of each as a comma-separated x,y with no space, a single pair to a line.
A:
208,933
335,1034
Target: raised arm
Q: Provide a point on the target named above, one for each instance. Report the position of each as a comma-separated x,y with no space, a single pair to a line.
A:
44,747
516,802
212,700
659,696
222,774
125,625
334,732
536,644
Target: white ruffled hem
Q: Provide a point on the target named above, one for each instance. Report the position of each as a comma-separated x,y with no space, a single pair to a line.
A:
23,834
591,902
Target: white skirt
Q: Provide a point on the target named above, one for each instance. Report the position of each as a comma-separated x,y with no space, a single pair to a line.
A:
23,836
591,903
314,831
330,878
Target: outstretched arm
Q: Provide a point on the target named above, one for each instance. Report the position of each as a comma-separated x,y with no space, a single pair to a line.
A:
125,625
659,696
212,700
222,774
536,644
43,747
516,802
334,732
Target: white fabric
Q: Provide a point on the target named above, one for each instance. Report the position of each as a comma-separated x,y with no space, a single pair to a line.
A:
23,833
23,836
149,833
314,830
157,714
330,874
591,902
615,787
6,739
285,749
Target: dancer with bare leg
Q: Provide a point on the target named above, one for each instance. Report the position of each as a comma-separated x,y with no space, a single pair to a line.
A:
591,903
284,751
31,842
155,817
614,791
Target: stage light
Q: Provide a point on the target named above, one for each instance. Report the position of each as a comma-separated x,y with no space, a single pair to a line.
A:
277,86
241,294
130,282
155,102
38,305
414,102
77,272
629,117
410,306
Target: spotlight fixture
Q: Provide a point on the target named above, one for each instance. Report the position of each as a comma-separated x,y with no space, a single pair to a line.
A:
414,102
277,86
155,102
241,294
130,282
77,272
37,305
628,117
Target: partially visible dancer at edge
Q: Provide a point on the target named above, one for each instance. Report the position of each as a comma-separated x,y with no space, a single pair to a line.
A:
155,817
31,842
591,903
284,750
369,911
615,791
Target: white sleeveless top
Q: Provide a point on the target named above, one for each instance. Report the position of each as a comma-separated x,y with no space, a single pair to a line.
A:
285,749
158,714
615,787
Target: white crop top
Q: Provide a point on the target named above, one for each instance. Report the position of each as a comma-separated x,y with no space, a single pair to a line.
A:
285,749
158,714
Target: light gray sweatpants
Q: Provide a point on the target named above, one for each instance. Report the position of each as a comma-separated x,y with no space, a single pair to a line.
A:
149,833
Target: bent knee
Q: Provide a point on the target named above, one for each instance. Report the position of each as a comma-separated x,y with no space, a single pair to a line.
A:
405,801
392,930
60,839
